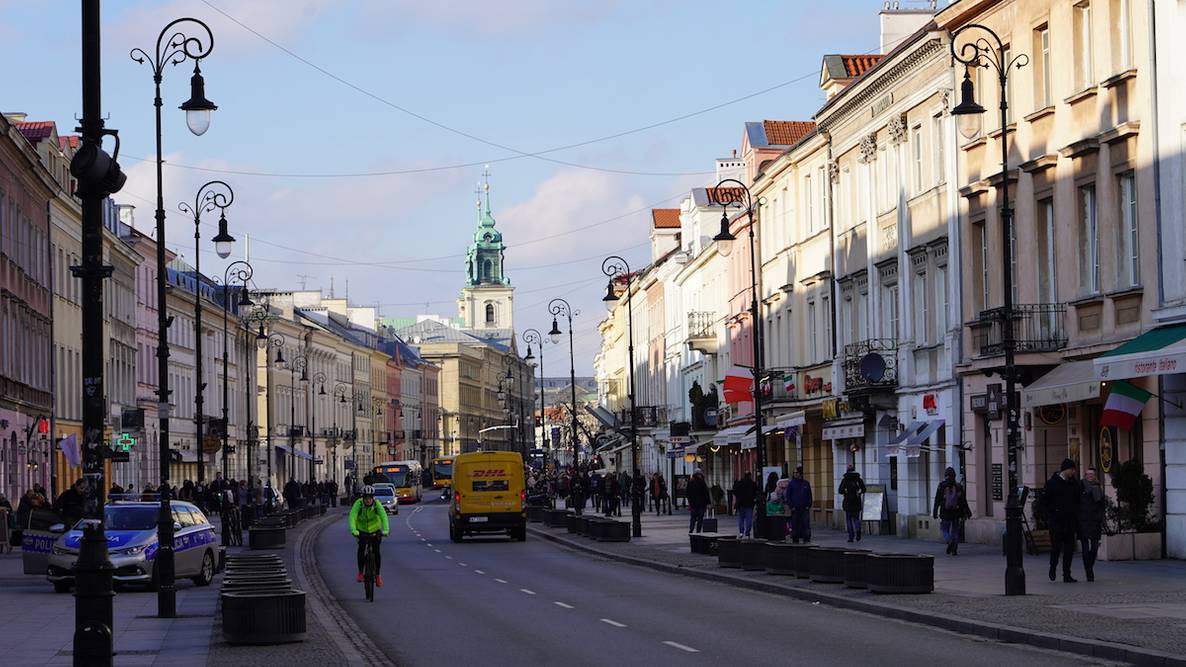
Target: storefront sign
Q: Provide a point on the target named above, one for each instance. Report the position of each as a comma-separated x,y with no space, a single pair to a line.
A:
995,401
1107,452
998,481
930,404
856,430
978,403
832,408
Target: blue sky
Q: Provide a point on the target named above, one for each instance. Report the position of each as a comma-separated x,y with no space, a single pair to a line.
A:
525,74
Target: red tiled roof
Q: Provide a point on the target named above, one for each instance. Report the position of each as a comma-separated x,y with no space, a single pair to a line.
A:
665,218
35,131
69,141
718,195
786,132
857,65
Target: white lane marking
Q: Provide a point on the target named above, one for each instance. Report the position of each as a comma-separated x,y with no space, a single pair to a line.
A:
613,622
682,647
479,572
501,581
529,592
562,604
449,557
462,564
430,544
437,550
423,540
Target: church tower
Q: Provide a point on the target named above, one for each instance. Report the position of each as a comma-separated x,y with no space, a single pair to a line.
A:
486,300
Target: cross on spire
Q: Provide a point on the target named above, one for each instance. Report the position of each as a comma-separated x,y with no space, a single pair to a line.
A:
486,186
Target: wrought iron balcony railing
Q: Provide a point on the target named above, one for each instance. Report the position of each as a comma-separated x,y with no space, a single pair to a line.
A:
1037,327
870,365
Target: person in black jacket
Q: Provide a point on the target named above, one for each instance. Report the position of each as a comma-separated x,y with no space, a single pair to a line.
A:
1060,500
72,503
852,490
1091,520
745,496
698,499
951,508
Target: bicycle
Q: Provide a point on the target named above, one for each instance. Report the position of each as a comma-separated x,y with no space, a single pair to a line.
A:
368,568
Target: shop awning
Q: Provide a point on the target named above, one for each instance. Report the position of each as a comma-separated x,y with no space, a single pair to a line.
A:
792,419
845,428
1161,351
924,434
299,454
604,416
910,431
1068,382
771,428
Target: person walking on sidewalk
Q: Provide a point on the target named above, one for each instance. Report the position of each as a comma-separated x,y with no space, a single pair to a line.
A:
1060,499
950,508
852,490
609,492
698,499
745,494
1091,520
799,501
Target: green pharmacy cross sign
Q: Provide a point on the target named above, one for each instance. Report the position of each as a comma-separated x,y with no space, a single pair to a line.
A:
125,442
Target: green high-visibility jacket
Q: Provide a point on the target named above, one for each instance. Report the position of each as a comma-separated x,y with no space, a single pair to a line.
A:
371,519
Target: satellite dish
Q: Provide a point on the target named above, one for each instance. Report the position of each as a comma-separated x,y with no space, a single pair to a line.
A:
873,367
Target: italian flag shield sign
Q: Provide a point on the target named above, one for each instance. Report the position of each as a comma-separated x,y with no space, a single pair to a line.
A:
1123,405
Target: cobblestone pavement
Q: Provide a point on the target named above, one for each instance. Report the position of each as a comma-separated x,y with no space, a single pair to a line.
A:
1133,603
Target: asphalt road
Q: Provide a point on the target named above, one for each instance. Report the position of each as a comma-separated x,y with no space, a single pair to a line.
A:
492,601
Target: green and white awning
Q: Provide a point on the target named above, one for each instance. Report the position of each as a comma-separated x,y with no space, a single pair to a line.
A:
1161,351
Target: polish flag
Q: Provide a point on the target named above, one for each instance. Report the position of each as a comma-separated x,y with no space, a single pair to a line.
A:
739,385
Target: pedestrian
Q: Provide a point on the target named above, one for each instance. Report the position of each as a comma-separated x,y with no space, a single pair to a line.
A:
610,492
292,493
595,490
950,508
1060,500
70,505
698,499
852,490
745,494
1091,520
798,500
638,489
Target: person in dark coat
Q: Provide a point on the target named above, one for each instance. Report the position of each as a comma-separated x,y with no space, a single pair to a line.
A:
950,508
1091,520
1060,500
610,493
799,500
292,493
698,500
745,496
852,490
72,503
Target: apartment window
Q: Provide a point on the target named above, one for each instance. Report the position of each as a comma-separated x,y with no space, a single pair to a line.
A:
938,152
809,211
862,307
916,147
1042,67
812,330
920,308
941,322
1129,260
1014,278
821,186
980,260
889,305
827,313
1082,46
1122,34
847,322
1006,54
1047,290
1089,249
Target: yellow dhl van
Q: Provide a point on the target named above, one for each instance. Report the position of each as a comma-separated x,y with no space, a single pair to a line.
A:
489,495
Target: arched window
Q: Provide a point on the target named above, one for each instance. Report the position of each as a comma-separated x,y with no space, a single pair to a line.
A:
489,313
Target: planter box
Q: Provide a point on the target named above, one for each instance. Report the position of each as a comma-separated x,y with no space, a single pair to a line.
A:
1116,547
1146,546
535,513
900,573
570,523
703,543
827,565
779,558
801,559
583,526
266,538
263,617
854,568
609,530
753,555
728,552
776,527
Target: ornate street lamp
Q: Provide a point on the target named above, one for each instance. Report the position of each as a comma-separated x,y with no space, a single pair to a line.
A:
531,336
558,307
615,267
991,55
239,272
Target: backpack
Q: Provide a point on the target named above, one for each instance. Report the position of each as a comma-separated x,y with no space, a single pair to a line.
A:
951,498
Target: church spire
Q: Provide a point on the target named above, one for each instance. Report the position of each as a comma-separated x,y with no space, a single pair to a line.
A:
486,187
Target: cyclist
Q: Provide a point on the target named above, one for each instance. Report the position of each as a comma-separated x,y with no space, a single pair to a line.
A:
368,522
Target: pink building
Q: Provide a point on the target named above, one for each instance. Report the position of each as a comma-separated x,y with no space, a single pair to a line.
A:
26,334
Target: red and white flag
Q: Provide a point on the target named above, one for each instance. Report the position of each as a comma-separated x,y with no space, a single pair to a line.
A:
739,385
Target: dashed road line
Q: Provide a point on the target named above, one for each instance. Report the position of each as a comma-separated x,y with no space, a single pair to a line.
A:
682,647
527,591
501,581
479,572
563,604
462,564
437,550
449,557
612,622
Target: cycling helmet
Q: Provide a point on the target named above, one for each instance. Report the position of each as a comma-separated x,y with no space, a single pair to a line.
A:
368,490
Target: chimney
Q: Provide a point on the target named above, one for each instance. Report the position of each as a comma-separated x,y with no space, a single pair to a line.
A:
900,19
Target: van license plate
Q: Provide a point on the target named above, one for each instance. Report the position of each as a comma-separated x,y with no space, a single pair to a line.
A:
478,519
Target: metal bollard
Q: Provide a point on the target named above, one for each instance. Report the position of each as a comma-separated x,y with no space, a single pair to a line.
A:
93,600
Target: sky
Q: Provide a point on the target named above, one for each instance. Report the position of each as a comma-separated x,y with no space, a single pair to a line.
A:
354,132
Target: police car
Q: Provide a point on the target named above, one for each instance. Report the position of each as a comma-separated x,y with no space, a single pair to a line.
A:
132,545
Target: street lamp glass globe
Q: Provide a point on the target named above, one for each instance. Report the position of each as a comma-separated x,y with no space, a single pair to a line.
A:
261,338
554,334
610,300
724,238
969,125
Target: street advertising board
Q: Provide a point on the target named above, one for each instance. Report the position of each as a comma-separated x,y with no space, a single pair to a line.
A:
874,509
681,487
766,470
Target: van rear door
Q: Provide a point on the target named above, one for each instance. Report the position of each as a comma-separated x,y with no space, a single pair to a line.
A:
493,486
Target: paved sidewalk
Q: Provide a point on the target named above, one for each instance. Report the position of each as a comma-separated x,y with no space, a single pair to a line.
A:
1134,603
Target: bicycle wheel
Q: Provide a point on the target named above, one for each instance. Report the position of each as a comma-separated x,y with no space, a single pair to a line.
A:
368,574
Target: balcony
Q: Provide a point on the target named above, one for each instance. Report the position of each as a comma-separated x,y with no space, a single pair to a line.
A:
648,416
796,384
1037,327
870,365
702,335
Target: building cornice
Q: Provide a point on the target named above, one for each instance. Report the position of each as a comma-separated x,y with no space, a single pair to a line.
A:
831,115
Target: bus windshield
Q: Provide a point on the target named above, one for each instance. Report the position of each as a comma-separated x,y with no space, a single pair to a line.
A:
442,470
397,476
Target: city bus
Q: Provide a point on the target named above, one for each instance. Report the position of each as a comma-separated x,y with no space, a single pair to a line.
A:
404,476
442,473
537,459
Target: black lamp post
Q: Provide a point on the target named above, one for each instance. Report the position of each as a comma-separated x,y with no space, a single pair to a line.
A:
319,380
969,114
614,267
253,324
533,336
376,413
239,272
173,46
506,399
297,362
724,239
558,307
267,341
213,195
343,394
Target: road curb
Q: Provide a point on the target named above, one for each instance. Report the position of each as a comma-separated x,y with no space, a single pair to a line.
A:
348,637
995,631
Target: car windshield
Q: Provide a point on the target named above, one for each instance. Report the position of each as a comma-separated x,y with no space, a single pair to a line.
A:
384,491
130,518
